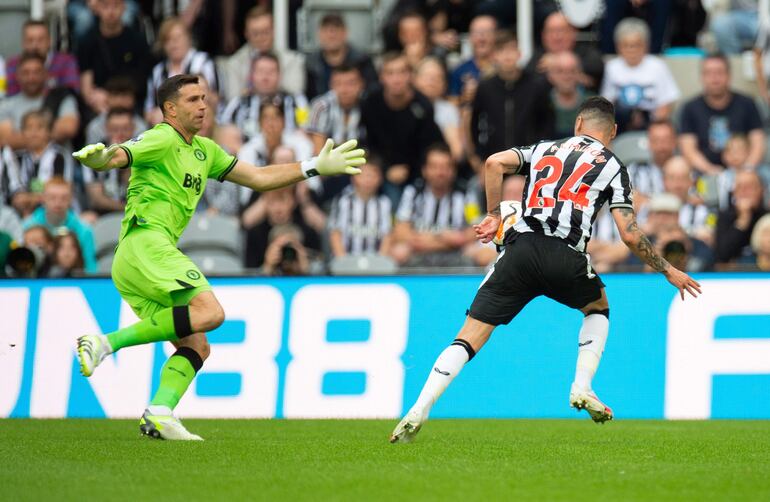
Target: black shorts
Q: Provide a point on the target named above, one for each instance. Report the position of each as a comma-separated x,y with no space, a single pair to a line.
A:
529,266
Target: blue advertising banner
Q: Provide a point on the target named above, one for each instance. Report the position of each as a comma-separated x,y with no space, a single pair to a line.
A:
362,347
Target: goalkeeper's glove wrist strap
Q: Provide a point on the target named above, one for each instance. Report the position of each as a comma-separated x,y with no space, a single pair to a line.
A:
308,167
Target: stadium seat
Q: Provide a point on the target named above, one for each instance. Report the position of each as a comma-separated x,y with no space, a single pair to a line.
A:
106,231
631,147
362,17
105,264
370,264
217,262
212,233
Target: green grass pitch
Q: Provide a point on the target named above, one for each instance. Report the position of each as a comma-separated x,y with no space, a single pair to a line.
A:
352,460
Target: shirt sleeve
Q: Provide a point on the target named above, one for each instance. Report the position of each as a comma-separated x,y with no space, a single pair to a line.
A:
406,205
525,157
620,190
147,149
221,162
69,106
319,118
687,121
667,90
753,119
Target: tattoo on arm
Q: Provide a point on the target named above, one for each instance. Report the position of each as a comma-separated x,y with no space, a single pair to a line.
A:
642,247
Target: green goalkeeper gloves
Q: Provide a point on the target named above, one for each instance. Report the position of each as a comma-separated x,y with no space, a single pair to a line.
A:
341,160
96,156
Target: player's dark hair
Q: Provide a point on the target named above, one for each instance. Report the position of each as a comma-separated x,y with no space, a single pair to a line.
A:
597,108
169,89
31,56
333,19
718,56
115,112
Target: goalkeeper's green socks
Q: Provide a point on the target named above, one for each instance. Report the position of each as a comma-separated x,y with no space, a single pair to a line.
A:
165,325
175,377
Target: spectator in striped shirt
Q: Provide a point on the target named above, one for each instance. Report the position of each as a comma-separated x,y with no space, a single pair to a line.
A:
694,216
360,221
647,176
179,57
274,133
39,162
62,68
243,111
106,190
430,228
337,115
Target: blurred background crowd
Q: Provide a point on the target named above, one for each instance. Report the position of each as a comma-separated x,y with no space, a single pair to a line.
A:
430,88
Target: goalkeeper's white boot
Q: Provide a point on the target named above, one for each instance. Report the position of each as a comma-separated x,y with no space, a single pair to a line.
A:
408,427
582,399
165,427
92,349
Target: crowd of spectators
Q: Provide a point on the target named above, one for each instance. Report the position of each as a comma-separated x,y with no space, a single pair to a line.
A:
427,117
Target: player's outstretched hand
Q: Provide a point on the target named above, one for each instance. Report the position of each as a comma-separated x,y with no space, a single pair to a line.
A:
683,282
95,156
344,159
486,230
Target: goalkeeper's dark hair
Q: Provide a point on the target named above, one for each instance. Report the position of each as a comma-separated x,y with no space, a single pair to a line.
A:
169,89
599,111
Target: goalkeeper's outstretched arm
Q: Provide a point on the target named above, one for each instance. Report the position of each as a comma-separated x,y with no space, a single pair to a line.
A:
344,159
102,158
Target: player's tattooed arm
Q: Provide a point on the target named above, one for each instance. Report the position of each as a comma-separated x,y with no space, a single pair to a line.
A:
496,166
637,241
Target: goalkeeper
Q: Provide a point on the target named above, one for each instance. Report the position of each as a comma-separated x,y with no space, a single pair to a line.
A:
170,166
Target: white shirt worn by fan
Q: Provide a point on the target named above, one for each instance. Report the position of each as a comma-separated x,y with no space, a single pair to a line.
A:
646,86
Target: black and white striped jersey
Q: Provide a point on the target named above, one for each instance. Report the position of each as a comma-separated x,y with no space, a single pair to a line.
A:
195,63
10,181
243,111
567,182
35,171
428,213
363,224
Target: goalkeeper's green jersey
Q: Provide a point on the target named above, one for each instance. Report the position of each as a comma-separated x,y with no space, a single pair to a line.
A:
168,177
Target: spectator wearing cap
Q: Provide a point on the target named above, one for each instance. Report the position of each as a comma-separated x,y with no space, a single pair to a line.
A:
61,68
57,216
760,243
260,36
243,111
34,95
734,225
708,120
335,51
560,36
640,84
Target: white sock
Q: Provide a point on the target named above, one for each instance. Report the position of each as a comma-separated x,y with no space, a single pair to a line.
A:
160,410
445,369
593,337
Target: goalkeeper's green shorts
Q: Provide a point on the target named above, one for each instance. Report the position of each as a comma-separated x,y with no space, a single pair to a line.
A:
151,274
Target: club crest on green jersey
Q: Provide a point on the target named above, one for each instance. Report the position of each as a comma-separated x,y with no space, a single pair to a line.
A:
199,154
